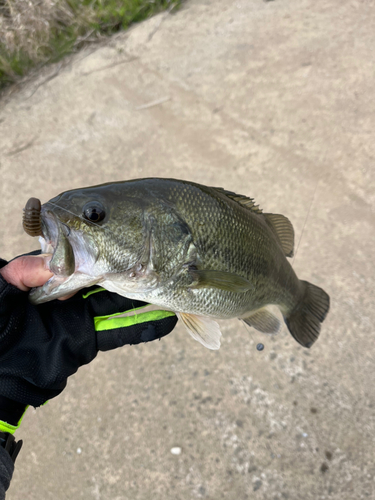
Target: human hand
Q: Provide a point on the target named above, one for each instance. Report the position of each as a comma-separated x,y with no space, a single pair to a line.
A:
41,346
27,271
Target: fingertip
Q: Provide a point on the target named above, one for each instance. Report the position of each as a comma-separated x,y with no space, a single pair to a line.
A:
27,271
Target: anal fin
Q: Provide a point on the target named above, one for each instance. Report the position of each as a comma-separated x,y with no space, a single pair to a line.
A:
263,321
204,330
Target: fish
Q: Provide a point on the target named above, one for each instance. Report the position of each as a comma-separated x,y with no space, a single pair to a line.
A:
202,252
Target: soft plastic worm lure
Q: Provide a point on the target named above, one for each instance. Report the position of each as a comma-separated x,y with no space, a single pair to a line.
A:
31,217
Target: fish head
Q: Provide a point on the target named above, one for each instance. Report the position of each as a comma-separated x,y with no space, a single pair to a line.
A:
93,232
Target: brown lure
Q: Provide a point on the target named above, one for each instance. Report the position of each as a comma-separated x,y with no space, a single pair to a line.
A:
32,223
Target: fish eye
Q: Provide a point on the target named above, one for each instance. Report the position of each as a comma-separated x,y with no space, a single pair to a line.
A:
94,211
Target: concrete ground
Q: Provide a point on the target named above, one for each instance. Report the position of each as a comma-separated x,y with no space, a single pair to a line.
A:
270,99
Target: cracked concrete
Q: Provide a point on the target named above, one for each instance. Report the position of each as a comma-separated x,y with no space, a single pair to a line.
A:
270,99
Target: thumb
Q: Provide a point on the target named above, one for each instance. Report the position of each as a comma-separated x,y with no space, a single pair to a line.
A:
27,271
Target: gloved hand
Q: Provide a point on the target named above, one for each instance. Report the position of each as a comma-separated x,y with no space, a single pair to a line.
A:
41,346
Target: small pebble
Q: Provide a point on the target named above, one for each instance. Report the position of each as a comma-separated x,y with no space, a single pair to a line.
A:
79,451
176,450
324,467
260,347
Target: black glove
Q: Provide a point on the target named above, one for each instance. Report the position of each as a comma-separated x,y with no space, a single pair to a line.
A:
41,346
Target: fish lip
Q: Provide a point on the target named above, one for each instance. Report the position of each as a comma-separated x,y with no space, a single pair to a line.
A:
50,225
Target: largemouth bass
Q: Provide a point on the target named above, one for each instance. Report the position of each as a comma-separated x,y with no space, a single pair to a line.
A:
202,252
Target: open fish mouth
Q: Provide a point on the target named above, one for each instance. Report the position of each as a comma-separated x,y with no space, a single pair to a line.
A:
71,250
37,221
55,240
53,237
73,253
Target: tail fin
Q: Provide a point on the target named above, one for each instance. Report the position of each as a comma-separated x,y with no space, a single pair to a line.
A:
305,319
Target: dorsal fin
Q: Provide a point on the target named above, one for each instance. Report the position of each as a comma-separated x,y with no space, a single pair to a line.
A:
283,229
281,226
245,201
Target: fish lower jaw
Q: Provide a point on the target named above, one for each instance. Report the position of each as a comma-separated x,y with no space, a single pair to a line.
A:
83,263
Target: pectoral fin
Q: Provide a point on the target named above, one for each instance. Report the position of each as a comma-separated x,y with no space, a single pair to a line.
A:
204,330
219,279
263,321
